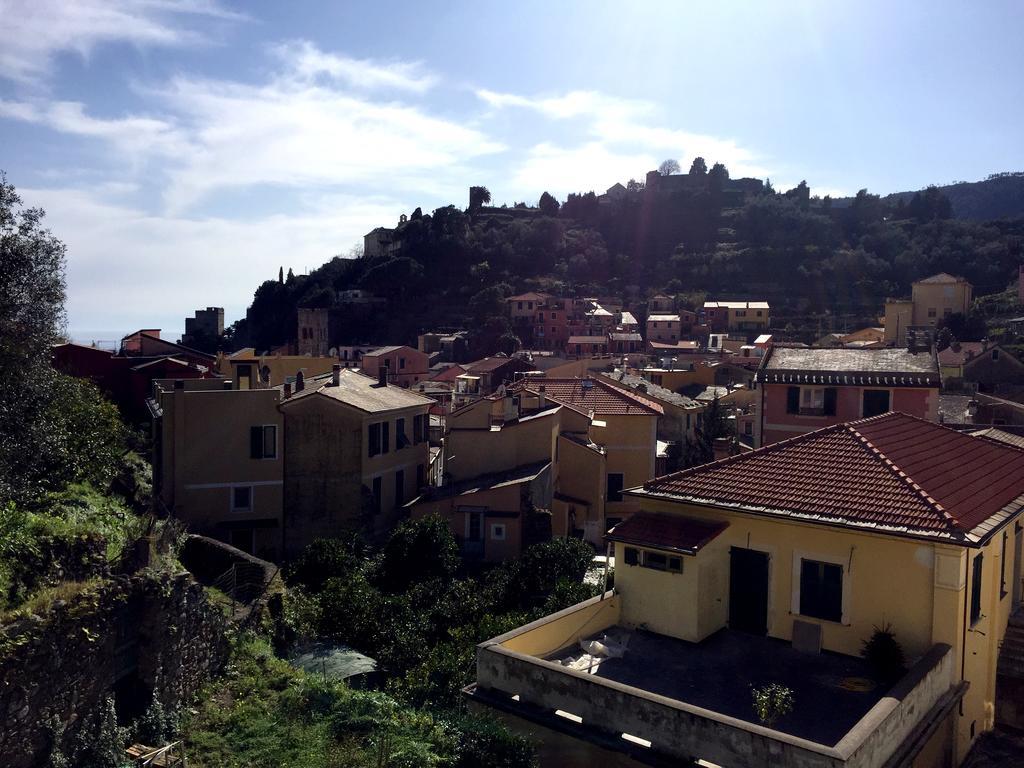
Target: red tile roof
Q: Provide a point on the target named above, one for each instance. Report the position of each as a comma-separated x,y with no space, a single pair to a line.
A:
960,352
595,395
892,472
678,534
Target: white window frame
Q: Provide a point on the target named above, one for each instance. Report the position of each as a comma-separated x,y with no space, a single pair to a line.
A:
252,499
844,564
812,397
495,528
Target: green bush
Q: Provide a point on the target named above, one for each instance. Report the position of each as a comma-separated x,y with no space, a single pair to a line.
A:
418,551
884,653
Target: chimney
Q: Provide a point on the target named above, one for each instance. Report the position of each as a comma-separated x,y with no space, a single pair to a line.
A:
382,376
509,409
300,381
542,397
287,390
336,374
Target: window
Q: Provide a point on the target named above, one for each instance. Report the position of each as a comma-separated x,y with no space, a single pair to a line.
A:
792,399
931,312
995,355
241,498
632,556
660,562
378,491
385,437
615,483
540,316
520,305
821,590
947,312
401,363
400,439
759,313
474,526
976,590
399,487
498,532
1002,569
374,442
876,402
263,442
812,400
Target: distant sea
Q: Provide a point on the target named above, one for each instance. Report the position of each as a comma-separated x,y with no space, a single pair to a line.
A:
104,339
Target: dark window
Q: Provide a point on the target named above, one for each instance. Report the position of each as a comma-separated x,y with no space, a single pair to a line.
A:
655,560
1002,568
876,402
995,354
401,363
378,487
399,487
385,437
263,442
792,399
400,439
374,447
241,498
830,401
976,590
632,556
475,526
821,590
614,486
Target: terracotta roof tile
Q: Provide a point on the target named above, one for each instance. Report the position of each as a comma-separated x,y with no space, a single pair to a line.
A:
679,534
595,395
892,471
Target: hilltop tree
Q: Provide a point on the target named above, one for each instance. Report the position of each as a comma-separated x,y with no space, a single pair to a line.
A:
548,204
668,167
699,167
479,197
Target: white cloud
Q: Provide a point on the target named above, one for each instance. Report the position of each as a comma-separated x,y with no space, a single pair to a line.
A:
591,166
33,32
618,131
161,268
306,61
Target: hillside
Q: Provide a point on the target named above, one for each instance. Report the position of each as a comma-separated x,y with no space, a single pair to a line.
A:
688,234
1000,196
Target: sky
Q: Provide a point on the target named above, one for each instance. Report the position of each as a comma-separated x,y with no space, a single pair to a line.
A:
184,150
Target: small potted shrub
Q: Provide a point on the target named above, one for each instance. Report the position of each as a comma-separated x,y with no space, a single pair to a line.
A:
885,654
772,702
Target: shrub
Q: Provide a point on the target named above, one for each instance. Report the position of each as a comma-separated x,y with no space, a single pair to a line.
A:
884,653
325,559
772,702
418,551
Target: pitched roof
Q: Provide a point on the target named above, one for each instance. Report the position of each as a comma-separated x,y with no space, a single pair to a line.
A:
736,305
388,350
1002,435
663,318
653,391
892,473
625,336
588,340
941,277
627,318
964,351
530,296
360,391
486,364
677,534
895,367
595,395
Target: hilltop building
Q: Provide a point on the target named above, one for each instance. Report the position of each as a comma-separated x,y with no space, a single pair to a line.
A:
737,316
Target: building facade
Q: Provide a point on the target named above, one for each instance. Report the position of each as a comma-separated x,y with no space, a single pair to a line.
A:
932,299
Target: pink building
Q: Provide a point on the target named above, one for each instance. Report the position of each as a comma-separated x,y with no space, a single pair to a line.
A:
802,390
406,366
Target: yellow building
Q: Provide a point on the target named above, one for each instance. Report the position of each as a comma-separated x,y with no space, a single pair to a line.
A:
931,299
251,371
356,449
776,566
217,461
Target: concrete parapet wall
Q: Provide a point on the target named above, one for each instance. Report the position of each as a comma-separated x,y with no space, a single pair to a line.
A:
509,665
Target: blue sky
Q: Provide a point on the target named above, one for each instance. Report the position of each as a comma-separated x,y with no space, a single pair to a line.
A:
186,149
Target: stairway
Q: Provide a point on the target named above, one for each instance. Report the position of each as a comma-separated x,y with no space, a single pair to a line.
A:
1011,655
1010,674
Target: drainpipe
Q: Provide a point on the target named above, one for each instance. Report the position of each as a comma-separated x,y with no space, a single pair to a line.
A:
963,641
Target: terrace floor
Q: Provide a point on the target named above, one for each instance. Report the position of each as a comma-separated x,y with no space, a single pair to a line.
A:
831,692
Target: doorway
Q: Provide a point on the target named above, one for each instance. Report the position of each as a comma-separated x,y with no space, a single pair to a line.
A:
876,402
748,590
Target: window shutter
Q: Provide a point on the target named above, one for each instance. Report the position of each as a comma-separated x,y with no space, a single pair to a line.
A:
256,442
793,400
830,401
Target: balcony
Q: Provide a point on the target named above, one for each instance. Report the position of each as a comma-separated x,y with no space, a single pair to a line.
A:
688,701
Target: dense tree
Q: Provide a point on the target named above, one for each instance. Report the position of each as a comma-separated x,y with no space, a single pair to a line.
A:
669,167
479,197
699,167
548,204
55,429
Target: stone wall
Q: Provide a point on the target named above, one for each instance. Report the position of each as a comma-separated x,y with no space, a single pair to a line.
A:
110,638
